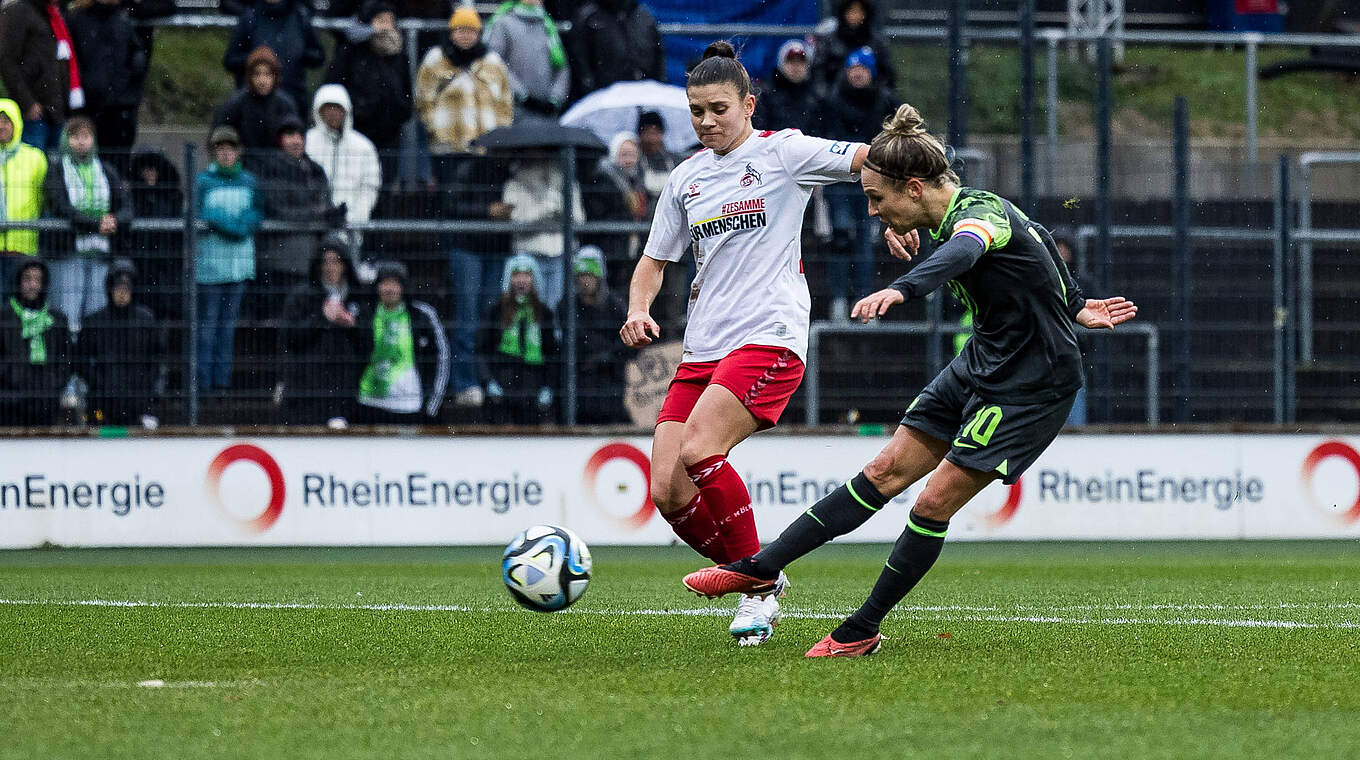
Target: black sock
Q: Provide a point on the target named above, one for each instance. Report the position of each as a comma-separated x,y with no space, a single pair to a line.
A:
913,554
838,513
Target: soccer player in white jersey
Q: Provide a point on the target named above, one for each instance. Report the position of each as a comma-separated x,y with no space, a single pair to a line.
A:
739,203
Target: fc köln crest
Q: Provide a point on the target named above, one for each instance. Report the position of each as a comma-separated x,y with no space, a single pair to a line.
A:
751,176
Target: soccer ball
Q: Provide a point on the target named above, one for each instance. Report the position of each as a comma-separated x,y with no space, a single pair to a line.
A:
546,568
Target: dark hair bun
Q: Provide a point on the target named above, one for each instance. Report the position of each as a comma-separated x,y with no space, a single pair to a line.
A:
720,49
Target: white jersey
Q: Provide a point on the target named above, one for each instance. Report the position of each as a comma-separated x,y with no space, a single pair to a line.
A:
743,212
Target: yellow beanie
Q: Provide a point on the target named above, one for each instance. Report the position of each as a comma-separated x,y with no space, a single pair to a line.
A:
466,15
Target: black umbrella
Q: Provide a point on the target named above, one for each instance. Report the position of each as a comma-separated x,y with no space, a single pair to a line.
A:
539,134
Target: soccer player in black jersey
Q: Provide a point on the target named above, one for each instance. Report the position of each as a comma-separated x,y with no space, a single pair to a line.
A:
987,415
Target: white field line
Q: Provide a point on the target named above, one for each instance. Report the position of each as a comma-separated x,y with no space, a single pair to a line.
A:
941,613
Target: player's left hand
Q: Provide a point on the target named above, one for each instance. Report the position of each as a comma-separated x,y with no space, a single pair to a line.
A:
902,247
876,304
1105,313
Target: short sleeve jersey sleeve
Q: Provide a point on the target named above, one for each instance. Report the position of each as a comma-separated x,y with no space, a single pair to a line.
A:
669,237
816,160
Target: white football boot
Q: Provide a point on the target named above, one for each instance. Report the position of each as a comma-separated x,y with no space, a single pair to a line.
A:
757,616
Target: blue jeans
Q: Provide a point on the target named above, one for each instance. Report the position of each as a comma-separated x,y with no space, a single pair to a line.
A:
472,283
42,134
550,268
77,287
852,245
219,306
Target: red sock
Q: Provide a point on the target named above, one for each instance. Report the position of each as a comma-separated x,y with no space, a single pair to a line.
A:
730,505
695,526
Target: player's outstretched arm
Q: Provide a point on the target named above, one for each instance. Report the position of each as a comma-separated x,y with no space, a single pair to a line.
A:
639,328
876,304
1105,313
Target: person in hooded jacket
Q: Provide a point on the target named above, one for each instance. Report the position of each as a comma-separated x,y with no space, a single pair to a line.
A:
600,355
121,354
854,111
348,158
789,100
285,27
258,109
851,28
157,254
23,172
371,64
113,61
88,192
321,341
34,351
406,371
616,192
520,346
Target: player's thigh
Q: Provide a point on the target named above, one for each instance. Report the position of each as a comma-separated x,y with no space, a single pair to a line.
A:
909,456
949,488
718,422
671,486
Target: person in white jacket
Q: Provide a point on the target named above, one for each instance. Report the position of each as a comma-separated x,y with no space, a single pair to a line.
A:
534,194
348,158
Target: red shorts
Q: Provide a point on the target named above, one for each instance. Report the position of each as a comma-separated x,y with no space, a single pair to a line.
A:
762,377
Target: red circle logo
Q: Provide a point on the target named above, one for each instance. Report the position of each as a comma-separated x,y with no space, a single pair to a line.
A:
248,453
608,453
1008,509
1327,451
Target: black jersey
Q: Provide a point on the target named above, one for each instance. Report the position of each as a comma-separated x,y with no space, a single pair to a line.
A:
1007,272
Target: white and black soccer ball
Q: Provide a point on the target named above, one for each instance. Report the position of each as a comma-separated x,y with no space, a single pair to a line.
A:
546,568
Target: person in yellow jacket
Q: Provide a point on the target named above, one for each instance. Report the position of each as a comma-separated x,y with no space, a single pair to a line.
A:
23,169
462,88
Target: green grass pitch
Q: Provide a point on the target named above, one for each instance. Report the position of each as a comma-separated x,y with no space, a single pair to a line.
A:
1162,650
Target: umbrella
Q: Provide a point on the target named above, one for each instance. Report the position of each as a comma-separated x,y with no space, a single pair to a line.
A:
539,133
615,109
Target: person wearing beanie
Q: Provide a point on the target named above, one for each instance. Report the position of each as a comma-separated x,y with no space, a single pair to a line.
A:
23,172
526,38
284,26
850,28
122,353
88,193
855,110
229,205
521,350
34,350
258,109
321,342
462,87
789,100
406,374
600,355
371,65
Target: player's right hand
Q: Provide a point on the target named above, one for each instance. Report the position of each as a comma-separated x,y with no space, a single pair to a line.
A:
639,330
876,304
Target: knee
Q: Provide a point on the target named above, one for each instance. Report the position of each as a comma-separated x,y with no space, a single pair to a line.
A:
668,496
887,474
934,506
696,447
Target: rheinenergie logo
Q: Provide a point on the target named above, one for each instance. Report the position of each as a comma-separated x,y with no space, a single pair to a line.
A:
1325,451
619,484
245,452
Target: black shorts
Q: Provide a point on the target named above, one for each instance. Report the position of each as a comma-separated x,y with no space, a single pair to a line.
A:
986,436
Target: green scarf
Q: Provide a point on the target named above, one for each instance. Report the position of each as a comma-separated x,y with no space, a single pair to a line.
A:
34,324
226,171
393,351
556,54
523,337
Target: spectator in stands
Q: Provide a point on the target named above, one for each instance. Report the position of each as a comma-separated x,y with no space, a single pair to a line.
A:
600,355
257,110
534,195
143,11
349,159
526,38
851,28
113,64
426,10
616,193
23,171
228,204
473,194
88,192
657,162
613,41
157,254
372,67
121,354
285,27
520,343
34,350
854,111
38,68
407,371
462,87
789,100
321,341
295,190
